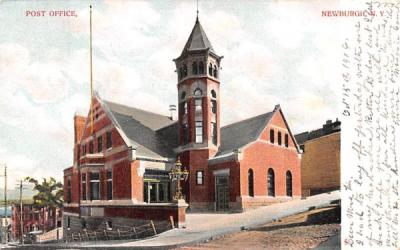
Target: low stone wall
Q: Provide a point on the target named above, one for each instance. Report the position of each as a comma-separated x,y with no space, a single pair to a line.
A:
125,216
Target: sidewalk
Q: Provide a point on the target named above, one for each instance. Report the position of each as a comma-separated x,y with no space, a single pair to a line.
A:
203,226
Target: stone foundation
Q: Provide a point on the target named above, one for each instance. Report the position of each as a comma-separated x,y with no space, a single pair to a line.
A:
248,203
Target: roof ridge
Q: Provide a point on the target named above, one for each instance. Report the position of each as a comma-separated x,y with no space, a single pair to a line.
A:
143,110
247,119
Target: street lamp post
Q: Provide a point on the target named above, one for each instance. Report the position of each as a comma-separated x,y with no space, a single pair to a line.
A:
179,175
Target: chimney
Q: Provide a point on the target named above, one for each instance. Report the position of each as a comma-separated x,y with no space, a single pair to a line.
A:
172,109
79,126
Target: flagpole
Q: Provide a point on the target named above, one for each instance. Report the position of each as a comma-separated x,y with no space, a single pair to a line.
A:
91,75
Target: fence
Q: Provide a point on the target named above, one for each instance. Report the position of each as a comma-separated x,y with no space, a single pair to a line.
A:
120,233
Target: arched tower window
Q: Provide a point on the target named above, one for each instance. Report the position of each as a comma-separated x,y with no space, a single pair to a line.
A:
185,131
198,104
271,182
183,95
198,92
272,136
214,132
180,73
289,185
201,68
250,177
194,68
210,69
184,70
215,71
213,94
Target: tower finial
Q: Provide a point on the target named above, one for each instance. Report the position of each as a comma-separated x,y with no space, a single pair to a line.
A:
197,16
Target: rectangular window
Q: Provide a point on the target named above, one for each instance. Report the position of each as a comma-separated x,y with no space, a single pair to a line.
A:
279,138
214,106
199,132
99,144
83,186
199,177
161,192
198,105
185,131
214,133
185,108
286,140
91,147
94,186
109,139
109,185
272,136
69,191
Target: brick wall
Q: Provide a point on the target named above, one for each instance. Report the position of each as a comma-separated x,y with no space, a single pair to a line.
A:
262,155
33,219
320,165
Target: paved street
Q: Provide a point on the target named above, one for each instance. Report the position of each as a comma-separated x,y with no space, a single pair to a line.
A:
202,226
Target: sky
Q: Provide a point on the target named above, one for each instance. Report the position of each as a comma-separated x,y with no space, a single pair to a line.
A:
275,52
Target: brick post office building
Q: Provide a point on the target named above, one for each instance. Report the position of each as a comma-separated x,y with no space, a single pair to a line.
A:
124,163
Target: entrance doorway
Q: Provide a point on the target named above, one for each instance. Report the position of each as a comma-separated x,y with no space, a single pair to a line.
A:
222,193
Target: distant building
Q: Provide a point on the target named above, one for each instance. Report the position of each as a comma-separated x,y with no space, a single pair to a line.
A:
34,219
320,163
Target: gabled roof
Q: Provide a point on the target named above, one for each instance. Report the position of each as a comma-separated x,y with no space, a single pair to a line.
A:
239,134
144,130
198,39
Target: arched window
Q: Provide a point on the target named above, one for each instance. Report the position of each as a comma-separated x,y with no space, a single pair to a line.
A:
183,95
250,176
194,68
198,92
289,184
272,136
215,71
279,138
213,94
201,68
271,182
185,130
286,140
184,70
180,73
210,69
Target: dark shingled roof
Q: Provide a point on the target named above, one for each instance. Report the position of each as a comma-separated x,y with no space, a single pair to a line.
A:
197,40
301,138
328,128
153,134
239,134
156,135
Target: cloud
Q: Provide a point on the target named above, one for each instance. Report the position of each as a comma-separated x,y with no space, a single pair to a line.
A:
288,60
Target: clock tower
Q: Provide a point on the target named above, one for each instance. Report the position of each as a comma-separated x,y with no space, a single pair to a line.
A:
198,70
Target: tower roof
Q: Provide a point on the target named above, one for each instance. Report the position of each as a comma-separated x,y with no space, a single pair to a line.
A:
198,39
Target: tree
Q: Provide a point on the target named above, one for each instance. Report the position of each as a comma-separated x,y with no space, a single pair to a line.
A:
50,192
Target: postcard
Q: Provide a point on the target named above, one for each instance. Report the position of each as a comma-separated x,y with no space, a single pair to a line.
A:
199,124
